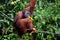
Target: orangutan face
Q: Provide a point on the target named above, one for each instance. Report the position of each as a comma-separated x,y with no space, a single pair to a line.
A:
27,13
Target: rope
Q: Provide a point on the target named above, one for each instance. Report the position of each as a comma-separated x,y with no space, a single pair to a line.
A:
56,32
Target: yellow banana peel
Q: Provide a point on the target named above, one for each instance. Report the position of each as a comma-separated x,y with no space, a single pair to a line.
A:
30,17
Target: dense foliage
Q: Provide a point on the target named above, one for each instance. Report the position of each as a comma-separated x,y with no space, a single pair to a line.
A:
46,17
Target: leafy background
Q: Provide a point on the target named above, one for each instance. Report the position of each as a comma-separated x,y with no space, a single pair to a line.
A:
46,17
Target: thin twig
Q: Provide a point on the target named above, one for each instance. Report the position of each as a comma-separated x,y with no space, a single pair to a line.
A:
6,15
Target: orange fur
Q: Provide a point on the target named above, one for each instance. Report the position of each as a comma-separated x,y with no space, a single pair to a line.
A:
24,25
